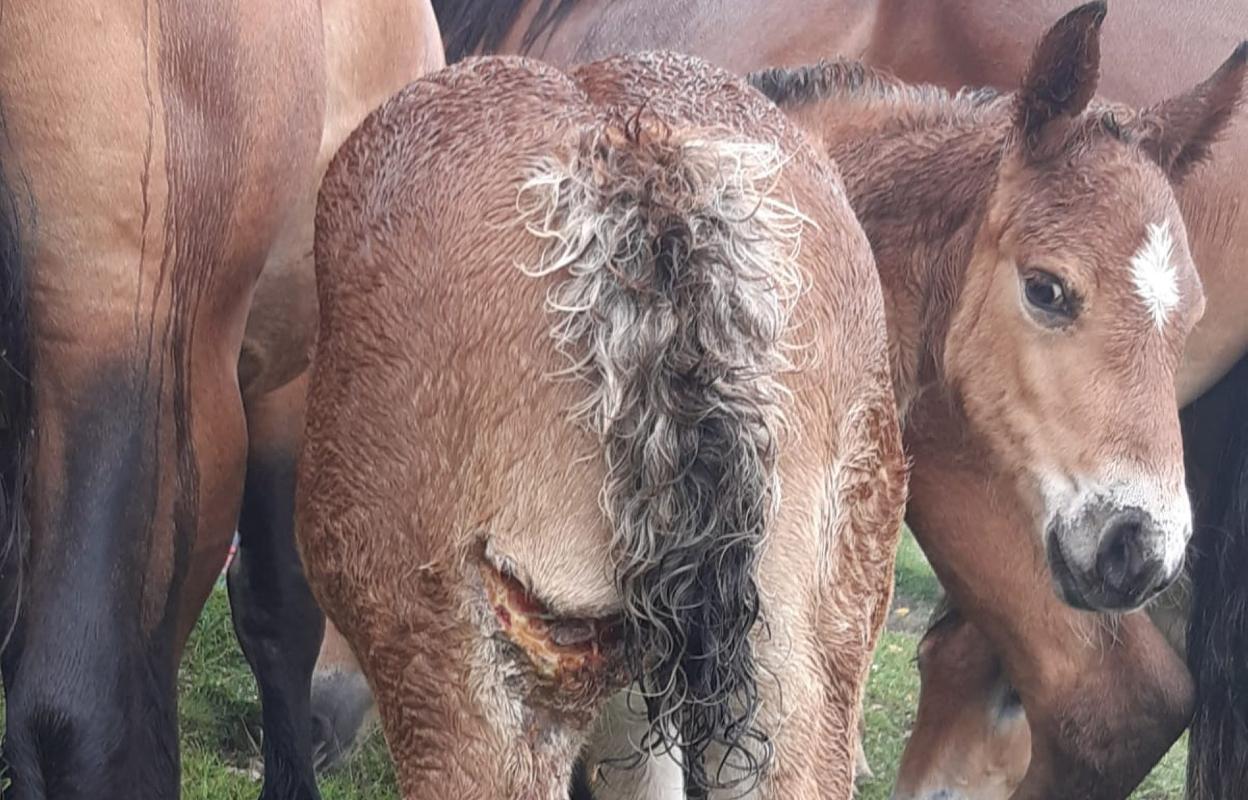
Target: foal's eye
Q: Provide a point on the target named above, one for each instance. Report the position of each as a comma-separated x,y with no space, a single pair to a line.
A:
1047,294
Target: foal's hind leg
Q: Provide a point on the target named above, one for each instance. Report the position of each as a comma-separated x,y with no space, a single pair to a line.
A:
277,621
826,595
343,709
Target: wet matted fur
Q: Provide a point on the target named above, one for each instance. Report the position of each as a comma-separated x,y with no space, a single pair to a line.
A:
592,402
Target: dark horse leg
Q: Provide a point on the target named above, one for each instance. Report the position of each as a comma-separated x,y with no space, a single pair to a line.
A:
275,616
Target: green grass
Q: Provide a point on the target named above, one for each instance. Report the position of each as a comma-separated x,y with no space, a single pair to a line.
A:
913,578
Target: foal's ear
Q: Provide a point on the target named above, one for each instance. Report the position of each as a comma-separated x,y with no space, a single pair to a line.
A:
1060,80
1179,132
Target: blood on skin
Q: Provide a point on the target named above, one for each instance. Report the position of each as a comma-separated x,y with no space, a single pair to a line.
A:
561,649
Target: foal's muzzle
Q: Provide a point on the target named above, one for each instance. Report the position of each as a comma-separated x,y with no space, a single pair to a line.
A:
1128,567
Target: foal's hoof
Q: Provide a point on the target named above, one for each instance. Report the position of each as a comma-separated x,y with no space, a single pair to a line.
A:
342,714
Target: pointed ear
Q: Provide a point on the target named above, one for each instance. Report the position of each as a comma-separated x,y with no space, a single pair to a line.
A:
1060,80
1178,133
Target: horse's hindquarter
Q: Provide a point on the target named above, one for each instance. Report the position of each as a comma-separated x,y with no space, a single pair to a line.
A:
373,48
436,435
150,149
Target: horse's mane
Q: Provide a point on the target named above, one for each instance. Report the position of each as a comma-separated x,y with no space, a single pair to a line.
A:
472,26
796,86
790,87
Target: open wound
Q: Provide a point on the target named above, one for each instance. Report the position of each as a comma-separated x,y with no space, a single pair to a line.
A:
561,649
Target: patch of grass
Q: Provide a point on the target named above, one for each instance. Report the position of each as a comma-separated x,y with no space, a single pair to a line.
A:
892,697
913,577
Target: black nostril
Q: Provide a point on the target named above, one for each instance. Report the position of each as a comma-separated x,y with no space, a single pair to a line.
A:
1125,564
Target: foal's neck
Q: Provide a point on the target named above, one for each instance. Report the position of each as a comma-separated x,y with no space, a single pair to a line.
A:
919,177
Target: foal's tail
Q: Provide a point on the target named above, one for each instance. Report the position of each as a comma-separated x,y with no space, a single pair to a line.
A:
1217,640
679,280
16,404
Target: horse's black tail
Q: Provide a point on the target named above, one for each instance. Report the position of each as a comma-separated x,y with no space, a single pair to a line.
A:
1217,641
16,404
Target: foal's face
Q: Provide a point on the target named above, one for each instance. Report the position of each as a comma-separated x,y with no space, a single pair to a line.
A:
1064,347
1078,298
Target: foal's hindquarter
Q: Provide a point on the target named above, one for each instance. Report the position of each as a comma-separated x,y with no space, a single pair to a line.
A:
146,159
464,512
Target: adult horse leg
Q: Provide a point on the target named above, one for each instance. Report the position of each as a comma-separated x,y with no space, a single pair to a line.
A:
372,49
1104,704
275,616
157,188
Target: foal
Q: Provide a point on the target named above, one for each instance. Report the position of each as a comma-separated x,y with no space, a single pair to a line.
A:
574,422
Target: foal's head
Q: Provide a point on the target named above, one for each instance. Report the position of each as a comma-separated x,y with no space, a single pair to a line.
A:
1073,311
1036,267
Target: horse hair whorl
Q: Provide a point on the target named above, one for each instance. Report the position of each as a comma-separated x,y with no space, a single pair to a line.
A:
678,279
1217,639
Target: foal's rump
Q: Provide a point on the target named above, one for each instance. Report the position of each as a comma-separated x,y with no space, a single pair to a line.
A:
551,392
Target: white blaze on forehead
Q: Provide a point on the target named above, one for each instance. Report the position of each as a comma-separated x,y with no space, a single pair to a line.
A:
1152,271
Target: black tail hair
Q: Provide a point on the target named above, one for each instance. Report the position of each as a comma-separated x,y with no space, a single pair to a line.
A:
1217,639
479,26
16,405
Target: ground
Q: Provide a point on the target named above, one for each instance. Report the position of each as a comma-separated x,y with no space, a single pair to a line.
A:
220,712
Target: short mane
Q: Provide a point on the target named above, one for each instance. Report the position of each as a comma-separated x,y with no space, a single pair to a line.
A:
793,87
797,86
479,26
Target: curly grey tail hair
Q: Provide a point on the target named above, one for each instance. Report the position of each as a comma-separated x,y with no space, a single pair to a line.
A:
680,276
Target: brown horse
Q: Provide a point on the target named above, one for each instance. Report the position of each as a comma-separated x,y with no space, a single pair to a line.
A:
971,734
586,341
1065,664
1068,666
157,157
